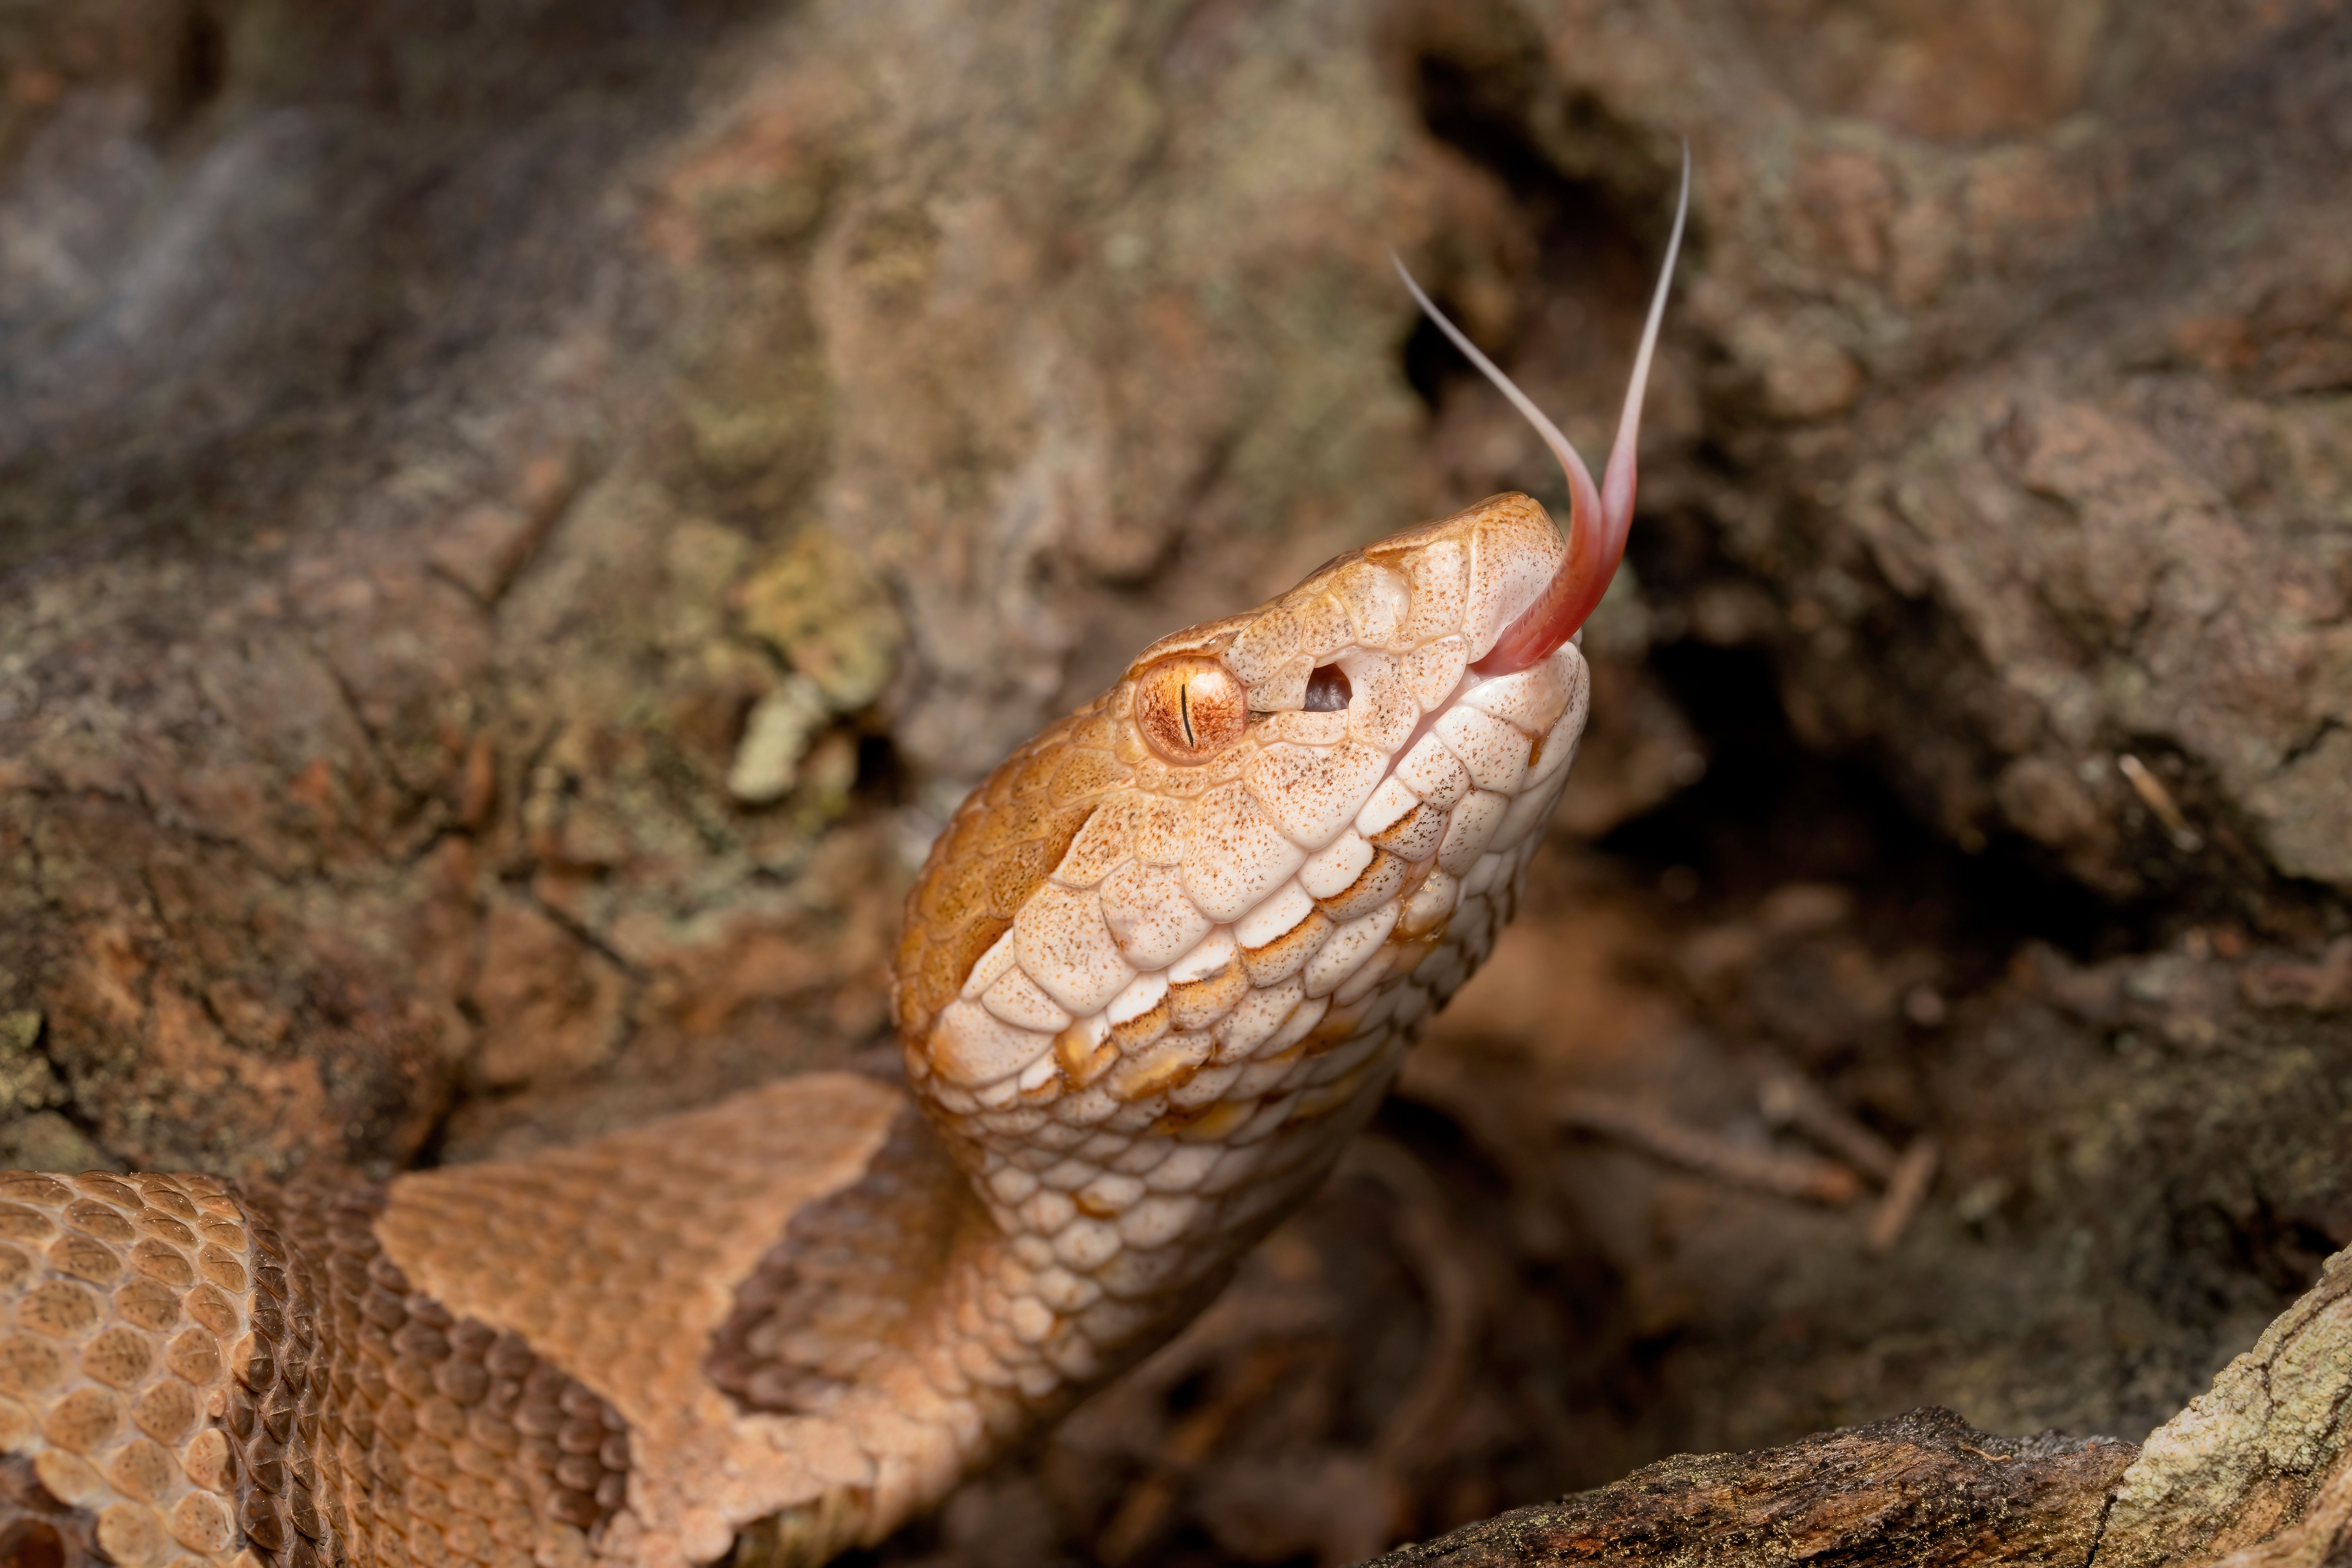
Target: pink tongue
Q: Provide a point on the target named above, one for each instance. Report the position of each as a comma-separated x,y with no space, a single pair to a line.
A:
1597,520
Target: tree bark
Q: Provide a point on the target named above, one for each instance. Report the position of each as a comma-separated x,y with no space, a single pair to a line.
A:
1923,1489
2264,1449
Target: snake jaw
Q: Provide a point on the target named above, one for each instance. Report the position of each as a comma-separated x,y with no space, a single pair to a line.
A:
1599,517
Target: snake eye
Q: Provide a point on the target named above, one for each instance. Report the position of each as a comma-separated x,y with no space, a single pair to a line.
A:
1189,707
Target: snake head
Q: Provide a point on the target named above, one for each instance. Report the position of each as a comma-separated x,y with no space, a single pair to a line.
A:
1254,787
1170,955
1220,896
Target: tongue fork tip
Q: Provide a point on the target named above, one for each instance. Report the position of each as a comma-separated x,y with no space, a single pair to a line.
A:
1616,497
1599,517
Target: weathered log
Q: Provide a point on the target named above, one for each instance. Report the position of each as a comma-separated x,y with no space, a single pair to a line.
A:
1926,1490
2251,1475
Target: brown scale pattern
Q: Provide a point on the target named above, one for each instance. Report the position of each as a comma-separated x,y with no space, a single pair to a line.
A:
372,1425
191,1374
124,1304
619,1258
1003,841
40,1531
846,1283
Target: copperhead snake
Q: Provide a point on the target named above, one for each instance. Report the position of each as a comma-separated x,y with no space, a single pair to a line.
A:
1155,971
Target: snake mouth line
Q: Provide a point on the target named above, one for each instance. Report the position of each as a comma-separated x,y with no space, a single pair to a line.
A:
1471,679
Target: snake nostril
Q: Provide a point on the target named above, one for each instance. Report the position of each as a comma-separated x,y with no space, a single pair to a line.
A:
1326,690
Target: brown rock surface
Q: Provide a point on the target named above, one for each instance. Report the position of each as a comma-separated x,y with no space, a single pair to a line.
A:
432,438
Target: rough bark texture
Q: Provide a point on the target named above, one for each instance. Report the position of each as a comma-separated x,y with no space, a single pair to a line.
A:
1923,1489
2214,1485
517,520
2252,1472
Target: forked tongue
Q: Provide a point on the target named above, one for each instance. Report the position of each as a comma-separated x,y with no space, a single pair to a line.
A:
1597,520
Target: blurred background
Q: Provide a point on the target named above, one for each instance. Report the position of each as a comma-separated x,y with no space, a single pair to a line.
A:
518,520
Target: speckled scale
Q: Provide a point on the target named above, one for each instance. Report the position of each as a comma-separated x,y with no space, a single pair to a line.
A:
114,1350
274,1400
1002,844
416,1368
841,1287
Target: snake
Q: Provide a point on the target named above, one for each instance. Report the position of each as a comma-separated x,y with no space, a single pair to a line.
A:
1154,972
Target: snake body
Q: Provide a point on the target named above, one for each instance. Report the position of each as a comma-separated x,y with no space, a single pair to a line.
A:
1155,971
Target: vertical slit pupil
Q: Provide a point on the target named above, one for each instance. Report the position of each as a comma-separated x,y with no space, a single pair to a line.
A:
1184,709
1326,690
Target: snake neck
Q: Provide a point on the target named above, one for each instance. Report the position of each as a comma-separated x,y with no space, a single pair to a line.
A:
1140,1024
961,1321
1116,1163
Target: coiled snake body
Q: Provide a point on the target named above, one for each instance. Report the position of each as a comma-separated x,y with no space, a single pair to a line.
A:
1156,971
